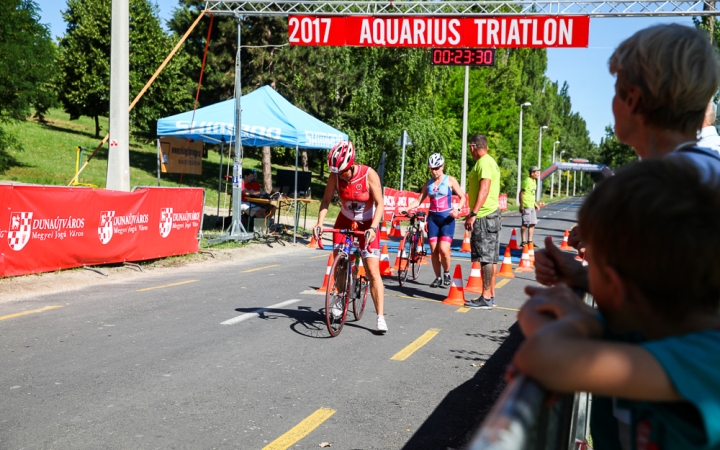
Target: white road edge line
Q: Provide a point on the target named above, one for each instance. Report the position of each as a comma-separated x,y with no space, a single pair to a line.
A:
257,312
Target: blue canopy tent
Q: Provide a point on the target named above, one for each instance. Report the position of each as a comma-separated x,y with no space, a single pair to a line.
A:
267,119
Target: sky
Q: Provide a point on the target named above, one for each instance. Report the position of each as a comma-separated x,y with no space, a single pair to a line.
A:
585,69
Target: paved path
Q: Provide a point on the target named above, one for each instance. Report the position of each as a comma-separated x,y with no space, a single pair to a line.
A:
238,356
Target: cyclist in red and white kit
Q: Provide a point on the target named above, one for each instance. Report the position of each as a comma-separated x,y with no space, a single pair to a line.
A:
361,208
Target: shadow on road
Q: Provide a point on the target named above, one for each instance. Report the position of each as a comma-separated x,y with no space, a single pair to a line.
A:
454,421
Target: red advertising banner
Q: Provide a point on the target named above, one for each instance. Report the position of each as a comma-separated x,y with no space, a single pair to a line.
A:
46,228
461,32
394,199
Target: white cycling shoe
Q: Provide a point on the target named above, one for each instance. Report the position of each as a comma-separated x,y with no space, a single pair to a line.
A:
381,325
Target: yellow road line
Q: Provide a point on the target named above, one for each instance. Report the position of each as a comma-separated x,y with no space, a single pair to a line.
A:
318,256
412,298
506,309
166,285
24,313
260,268
405,353
502,283
300,430
463,309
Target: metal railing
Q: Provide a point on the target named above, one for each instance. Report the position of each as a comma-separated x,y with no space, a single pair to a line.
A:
521,419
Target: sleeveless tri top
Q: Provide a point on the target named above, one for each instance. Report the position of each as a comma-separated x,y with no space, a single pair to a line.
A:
440,196
356,203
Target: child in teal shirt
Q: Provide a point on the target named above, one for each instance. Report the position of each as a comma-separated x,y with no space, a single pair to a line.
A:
650,354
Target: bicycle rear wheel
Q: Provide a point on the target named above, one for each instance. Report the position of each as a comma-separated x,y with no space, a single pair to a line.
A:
404,255
336,295
418,253
361,291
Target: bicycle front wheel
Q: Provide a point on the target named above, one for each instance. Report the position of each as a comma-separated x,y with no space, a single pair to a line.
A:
418,253
361,291
337,294
404,255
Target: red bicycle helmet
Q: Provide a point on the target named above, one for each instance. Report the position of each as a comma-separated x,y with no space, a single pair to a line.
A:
341,157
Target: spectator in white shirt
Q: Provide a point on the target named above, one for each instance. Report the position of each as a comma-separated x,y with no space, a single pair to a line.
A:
708,135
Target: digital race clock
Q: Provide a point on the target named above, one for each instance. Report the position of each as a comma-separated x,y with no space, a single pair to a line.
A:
462,57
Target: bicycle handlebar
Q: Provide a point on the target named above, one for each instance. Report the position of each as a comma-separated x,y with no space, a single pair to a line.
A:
319,231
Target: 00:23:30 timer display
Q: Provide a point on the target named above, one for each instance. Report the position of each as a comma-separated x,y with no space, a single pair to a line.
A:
462,57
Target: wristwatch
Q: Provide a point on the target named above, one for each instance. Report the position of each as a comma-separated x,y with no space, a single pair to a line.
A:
374,229
472,214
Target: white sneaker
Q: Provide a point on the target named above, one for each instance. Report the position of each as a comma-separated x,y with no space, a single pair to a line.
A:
381,325
336,309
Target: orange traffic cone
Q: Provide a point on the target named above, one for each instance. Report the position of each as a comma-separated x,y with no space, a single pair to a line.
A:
361,269
506,268
465,247
313,243
531,254
513,241
395,231
456,296
324,286
419,251
396,266
383,231
525,265
565,245
474,283
385,261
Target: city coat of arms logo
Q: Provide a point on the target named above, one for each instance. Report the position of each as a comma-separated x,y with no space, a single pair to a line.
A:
105,230
19,230
166,221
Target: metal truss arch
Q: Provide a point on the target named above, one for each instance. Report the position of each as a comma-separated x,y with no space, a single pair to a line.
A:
462,8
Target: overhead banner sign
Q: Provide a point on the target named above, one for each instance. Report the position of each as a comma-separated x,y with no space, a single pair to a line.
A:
461,32
46,228
181,156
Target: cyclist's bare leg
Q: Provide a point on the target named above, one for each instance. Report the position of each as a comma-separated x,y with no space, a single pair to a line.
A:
377,289
435,257
444,252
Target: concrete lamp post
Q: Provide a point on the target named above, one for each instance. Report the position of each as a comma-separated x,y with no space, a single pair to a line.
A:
552,178
538,192
519,168
560,176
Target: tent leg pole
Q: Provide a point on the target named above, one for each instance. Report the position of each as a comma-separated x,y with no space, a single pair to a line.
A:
295,211
222,150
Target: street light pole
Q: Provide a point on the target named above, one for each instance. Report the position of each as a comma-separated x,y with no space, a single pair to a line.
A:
552,178
560,176
538,192
519,168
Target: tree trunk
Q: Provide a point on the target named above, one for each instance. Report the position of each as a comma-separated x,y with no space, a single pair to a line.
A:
322,165
266,169
97,126
710,21
304,158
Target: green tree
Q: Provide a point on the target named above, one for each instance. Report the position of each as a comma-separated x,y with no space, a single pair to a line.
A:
84,64
614,153
26,58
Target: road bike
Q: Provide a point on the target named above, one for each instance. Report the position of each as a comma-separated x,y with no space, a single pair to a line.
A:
412,248
346,284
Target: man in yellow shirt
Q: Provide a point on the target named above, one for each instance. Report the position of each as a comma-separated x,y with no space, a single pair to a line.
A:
484,220
528,206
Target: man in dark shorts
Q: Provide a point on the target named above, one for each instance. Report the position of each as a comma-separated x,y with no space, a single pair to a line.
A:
484,219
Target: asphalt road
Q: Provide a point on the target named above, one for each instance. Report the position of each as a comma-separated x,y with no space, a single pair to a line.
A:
148,363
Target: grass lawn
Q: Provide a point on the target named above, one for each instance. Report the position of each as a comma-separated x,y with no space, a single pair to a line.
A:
48,157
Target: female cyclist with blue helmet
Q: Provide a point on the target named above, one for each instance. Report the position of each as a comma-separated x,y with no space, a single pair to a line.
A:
441,217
